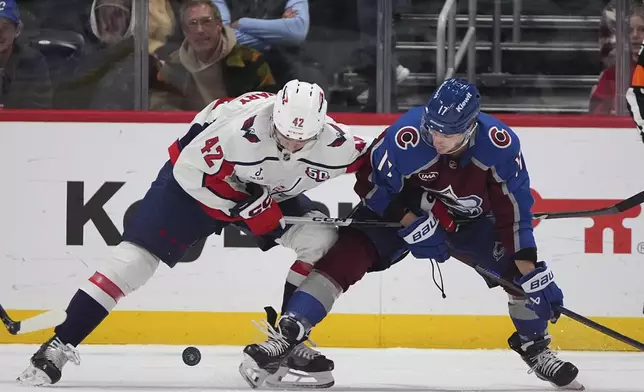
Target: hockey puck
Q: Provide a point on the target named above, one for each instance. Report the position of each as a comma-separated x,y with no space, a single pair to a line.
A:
191,356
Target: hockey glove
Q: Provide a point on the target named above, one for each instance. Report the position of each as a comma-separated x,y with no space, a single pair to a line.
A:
421,202
426,239
260,212
433,206
544,294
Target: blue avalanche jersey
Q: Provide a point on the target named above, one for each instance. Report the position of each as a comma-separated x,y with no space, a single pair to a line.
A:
488,177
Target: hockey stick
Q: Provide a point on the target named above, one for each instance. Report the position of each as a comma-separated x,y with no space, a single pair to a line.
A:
622,206
294,220
516,290
44,320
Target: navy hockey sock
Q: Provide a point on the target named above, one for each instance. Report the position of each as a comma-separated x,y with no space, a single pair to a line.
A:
84,314
304,306
289,290
529,326
314,298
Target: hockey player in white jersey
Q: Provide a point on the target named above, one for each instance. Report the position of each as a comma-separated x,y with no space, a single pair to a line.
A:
244,162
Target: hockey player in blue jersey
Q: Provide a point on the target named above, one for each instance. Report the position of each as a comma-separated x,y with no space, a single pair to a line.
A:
437,164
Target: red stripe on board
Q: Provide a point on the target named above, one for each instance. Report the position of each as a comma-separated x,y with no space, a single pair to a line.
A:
105,284
513,120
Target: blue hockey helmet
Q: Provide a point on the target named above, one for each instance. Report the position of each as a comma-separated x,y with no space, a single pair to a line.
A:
452,109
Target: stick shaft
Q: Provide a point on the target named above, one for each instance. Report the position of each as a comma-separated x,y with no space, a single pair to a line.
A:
622,206
45,320
516,290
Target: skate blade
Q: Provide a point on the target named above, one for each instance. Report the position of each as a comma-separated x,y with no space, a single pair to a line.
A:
34,377
286,378
573,386
253,375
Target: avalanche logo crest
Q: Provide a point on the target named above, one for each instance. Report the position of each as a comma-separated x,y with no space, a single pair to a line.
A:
468,206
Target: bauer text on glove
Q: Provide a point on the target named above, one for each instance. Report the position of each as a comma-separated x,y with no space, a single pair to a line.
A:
426,239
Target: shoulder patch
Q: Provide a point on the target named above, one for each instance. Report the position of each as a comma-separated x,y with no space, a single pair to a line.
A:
249,132
499,137
339,136
316,174
407,136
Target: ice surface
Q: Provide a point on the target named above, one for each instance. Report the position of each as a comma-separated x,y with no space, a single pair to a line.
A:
160,368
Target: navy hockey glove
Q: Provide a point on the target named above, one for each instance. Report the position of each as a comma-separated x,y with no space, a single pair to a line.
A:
426,239
544,294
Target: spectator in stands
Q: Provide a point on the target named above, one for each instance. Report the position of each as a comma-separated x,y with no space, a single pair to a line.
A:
104,77
278,29
24,76
368,24
607,35
210,63
607,32
602,97
161,25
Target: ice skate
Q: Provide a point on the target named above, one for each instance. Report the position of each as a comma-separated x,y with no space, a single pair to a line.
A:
47,363
264,359
545,364
305,367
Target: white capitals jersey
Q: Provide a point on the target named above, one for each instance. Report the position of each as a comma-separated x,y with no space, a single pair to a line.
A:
229,145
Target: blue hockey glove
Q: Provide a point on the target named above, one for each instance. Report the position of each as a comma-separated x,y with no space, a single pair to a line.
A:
426,239
544,294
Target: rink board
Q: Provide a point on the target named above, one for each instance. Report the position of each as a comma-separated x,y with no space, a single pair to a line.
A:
47,252
339,330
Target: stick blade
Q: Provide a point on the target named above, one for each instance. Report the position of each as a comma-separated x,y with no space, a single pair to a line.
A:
630,202
49,319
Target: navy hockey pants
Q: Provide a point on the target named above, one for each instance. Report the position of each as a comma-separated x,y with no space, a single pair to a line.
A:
475,243
168,221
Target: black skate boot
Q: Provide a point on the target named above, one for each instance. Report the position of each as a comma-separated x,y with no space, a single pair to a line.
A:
47,363
264,359
305,367
545,364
